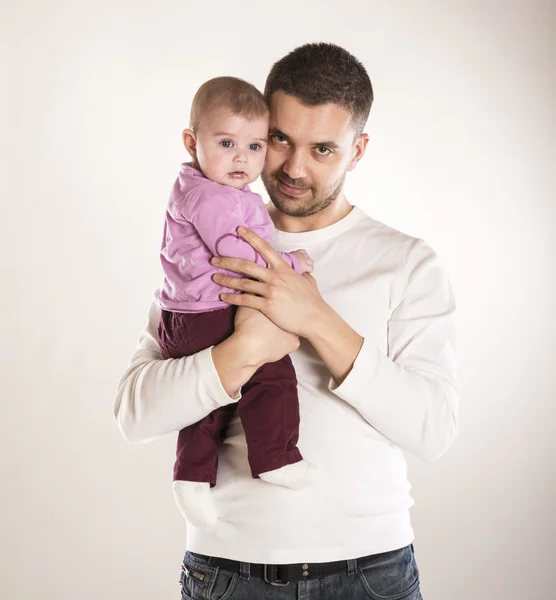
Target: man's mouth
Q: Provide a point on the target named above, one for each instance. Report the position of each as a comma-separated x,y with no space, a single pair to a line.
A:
291,190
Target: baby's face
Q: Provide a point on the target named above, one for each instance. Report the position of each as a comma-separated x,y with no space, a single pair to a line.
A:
231,149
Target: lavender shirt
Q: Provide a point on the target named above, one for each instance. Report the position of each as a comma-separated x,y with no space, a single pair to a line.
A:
201,222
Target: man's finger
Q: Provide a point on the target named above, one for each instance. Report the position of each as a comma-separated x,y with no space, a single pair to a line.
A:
240,265
245,300
310,278
240,283
271,257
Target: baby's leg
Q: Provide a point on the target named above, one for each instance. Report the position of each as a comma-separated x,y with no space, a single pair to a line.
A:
197,464
183,334
269,410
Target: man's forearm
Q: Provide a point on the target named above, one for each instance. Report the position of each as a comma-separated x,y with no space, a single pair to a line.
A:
335,342
234,364
157,396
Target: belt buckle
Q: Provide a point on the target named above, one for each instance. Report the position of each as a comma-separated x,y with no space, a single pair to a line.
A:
276,582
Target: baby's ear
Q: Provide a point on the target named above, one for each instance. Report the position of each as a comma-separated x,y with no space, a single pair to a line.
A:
190,142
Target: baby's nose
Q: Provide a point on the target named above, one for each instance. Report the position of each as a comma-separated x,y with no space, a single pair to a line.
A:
240,156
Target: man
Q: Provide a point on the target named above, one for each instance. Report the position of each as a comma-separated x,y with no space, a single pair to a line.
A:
372,337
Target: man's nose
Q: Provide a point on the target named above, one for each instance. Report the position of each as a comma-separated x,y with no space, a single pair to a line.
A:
294,167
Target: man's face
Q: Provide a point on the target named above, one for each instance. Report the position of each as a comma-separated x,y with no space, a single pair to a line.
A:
310,149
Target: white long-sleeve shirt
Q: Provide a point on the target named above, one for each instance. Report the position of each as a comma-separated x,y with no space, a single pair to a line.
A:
401,394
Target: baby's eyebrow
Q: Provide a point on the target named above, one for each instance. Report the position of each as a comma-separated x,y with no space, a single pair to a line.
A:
226,134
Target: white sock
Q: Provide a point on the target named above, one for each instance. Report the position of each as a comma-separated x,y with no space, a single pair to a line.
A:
297,476
195,503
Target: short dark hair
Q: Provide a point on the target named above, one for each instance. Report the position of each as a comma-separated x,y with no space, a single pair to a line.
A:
322,73
227,93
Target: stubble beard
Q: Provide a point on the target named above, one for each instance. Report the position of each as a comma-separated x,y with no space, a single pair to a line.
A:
317,201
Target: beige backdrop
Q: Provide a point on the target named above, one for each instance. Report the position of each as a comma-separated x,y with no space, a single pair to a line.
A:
462,153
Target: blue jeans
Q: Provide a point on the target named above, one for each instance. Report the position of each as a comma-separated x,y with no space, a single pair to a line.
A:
388,576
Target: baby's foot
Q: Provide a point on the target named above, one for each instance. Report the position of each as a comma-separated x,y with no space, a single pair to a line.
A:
195,502
297,476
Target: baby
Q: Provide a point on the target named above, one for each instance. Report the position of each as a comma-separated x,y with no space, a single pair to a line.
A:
210,199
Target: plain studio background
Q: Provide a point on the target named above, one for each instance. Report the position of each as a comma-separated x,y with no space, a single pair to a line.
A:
462,153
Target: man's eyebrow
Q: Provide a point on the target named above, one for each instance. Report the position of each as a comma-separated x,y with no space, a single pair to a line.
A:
332,145
275,131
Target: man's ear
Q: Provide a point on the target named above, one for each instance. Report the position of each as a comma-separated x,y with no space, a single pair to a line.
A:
190,142
358,150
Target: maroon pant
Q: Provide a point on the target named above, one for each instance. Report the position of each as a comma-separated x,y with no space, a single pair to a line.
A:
269,407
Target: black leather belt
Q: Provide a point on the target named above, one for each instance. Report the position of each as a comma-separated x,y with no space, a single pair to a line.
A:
281,575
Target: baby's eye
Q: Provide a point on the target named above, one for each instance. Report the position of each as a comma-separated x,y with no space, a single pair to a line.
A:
226,143
254,146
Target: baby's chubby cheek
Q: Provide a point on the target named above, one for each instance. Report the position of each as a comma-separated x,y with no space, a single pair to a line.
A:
258,167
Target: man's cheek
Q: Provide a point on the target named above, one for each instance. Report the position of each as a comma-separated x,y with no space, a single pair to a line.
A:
267,161
272,156
261,163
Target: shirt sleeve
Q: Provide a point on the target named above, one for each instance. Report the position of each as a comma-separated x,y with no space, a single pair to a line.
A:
157,396
216,214
258,220
292,261
411,395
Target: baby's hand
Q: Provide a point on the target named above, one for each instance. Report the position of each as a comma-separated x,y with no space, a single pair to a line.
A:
307,263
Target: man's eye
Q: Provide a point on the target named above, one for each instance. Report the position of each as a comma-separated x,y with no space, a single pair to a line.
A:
323,150
254,146
279,138
226,143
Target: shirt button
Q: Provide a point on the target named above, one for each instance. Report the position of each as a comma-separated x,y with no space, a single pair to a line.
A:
305,573
305,566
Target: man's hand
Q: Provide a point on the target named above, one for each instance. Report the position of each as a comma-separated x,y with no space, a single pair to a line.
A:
255,341
264,341
291,301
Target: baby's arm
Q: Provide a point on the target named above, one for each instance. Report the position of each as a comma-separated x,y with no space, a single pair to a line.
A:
258,220
216,217
306,263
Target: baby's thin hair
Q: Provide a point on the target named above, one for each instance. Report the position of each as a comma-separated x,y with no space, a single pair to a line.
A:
227,93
